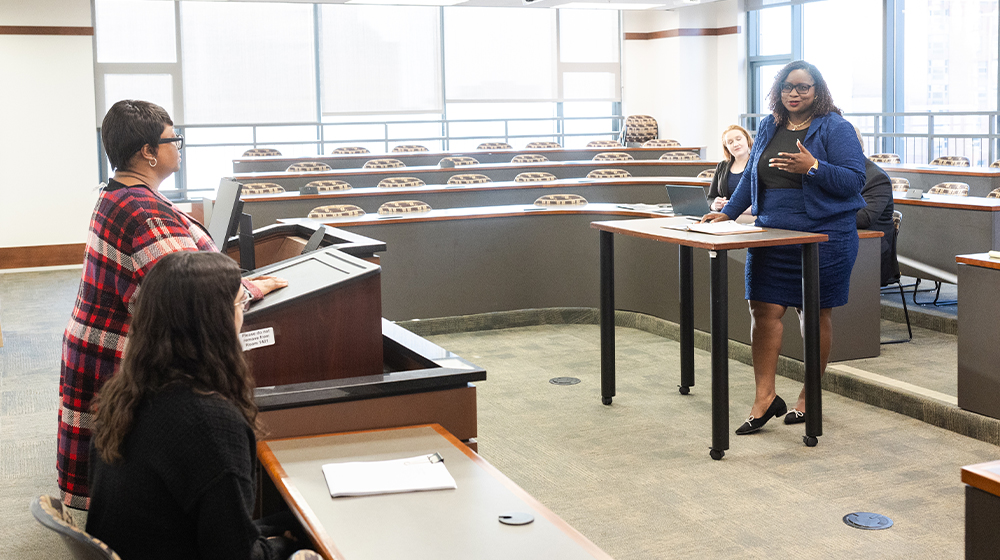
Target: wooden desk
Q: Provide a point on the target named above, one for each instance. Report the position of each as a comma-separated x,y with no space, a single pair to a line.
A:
348,161
458,524
978,354
982,510
269,208
463,261
435,175
981,180
936,228
717,246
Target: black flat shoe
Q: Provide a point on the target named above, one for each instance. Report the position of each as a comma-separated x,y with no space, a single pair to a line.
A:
777,408
795,417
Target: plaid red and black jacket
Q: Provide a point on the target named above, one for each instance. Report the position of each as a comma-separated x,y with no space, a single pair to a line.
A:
131,228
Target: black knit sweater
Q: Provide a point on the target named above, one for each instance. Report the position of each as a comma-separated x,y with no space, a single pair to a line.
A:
184,488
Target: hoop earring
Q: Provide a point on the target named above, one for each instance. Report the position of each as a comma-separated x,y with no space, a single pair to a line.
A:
153,163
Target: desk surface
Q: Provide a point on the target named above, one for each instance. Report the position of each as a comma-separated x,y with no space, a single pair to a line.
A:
984,476
982,260
941,169
456,524
654,228
944,201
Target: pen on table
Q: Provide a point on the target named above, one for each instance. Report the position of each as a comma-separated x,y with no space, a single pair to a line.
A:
432,458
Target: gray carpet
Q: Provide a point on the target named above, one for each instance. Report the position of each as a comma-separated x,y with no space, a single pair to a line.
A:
634,477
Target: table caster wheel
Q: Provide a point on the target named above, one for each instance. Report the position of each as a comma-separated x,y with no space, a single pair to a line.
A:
606,400
810,441
683,389
717,454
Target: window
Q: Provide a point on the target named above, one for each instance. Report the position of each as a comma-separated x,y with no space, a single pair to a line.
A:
853,69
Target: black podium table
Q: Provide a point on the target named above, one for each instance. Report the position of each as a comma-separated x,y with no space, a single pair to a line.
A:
717,245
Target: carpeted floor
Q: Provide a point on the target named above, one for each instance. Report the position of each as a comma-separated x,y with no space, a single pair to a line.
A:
634,477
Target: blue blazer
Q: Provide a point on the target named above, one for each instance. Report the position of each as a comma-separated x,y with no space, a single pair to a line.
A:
836,186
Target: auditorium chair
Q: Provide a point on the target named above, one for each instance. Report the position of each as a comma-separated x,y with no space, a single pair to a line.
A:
529,158
995,193
49,511
891,275
950,189
679,156
953,161
400,182
560,200
468,179
900,184
403,148
329,185
456,161
350,150
494,146
639,129
336,211
660,143
259,152
707,174
304,166
404,207
995,163
262,188
536,145
383,163
604,144
884,158
608,174
613,156
534,176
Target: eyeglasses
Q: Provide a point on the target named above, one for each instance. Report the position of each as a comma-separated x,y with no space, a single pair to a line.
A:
802,89
244,301
177,138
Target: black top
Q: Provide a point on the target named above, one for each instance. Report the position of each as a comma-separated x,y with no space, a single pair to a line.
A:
723,182
772,177
185,485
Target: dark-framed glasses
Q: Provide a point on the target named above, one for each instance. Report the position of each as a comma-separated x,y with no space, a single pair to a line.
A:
179,139
802,89
244,302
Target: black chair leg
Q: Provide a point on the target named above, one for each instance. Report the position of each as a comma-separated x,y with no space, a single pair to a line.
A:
906,315
937,297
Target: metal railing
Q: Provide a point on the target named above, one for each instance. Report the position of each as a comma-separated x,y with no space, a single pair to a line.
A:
324,137
919,137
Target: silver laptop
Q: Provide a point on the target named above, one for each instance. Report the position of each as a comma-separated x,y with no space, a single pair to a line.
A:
688,200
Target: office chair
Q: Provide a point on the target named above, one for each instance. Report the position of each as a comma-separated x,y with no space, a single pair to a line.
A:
950,189
468,179
604,144
900,184
995,193
608,174
529,158
336,211
308,166
456,161
383,163
329,185
885,158
613,156
639,129
679,156
954,161
560,200
50,513
404,207
707,174
400,182
891,275
260,152
262,188
494,146
350,150
403,148
660,143
531,177
536,145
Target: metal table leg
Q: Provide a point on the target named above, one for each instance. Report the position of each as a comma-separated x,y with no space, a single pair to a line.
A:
810,309
607,316
686,283
720,354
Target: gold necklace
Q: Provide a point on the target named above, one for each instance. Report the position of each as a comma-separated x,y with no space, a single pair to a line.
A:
794,127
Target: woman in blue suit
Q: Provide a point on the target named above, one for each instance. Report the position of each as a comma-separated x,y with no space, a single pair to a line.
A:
805,173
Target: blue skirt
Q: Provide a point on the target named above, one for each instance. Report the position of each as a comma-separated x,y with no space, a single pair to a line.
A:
774,274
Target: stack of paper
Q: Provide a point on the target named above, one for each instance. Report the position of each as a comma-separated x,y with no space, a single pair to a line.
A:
414,474
728,227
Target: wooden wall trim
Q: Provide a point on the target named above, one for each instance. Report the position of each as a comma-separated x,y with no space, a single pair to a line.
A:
684,32
42,255
44,30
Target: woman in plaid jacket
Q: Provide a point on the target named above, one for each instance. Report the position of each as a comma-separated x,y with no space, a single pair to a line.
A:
132,227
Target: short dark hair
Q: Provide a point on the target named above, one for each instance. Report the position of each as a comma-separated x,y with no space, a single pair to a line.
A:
183,333
823,103
129,125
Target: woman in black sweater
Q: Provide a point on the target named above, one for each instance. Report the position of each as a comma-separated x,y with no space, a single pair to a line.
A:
736,143
175,439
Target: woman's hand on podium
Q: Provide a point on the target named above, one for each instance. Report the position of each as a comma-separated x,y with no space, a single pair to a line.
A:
713,217
268,284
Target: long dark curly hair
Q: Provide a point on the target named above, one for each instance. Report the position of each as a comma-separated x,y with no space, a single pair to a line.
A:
822,103
182,333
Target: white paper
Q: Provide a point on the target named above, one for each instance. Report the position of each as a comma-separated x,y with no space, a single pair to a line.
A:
717,228
367,478
257,339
